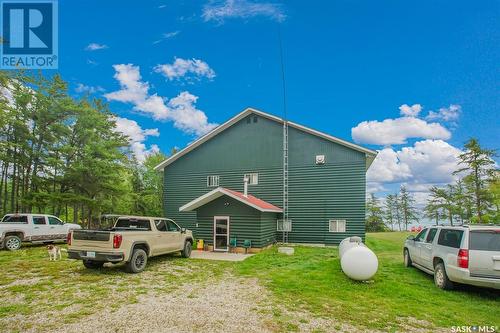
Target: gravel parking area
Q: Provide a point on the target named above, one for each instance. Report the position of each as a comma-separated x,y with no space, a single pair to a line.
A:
227,304
214,306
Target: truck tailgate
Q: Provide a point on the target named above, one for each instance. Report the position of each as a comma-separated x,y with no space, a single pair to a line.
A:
92,238
484,253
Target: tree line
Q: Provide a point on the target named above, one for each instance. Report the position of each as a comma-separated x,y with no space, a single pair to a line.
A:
64,156
473,198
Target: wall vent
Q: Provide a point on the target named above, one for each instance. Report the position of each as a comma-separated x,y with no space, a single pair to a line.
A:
320,159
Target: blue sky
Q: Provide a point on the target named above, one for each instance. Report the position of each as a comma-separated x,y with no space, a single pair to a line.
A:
346,62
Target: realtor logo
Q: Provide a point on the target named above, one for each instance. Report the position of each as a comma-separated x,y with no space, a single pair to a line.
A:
29,34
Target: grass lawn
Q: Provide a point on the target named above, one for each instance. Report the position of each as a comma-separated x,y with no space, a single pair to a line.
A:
40,295
312,279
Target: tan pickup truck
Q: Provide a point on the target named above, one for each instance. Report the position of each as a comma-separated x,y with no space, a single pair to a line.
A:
132,239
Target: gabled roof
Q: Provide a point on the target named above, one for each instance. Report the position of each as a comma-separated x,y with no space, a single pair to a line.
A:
370,154
249,200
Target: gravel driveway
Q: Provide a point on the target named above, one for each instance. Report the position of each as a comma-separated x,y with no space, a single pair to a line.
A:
227,304
222,305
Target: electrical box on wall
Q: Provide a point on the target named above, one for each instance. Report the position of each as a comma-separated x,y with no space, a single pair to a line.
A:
320,159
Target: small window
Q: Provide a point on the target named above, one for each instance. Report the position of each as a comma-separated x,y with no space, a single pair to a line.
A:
421,236
255,119
171,226
213,181
161,225
54,221
485,240
284,225
450,237
39,220
337,225
253,178
15,219
431,235
132,223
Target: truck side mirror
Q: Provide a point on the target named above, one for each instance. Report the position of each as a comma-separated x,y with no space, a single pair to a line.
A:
411,237
183,230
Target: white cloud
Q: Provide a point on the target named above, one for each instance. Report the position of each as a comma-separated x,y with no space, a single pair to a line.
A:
220,10
387,168
426,162
82,88
397,131
410,111
95,47
181,110
185,115
136,136
186,68
449,114
166,36
431,161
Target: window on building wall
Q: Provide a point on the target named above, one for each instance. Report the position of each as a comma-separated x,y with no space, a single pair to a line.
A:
213,181
284,225
253,178
337,225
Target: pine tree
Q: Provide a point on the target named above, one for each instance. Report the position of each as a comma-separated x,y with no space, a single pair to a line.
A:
389,210
478,169
407,206
374,220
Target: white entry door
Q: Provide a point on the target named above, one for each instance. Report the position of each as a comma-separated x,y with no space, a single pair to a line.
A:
221,233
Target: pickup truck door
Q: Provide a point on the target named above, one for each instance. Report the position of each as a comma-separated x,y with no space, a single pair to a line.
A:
41,230
427,248
177,236
484,253
162,239
57,228
416,249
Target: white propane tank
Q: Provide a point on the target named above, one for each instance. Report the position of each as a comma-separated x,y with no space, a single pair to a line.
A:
357,261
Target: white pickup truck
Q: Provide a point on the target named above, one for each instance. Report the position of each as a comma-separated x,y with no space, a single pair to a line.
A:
35,228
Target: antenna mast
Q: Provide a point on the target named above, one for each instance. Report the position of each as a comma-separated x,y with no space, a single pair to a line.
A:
286,224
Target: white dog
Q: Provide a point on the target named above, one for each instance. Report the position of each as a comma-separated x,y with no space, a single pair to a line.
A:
54,252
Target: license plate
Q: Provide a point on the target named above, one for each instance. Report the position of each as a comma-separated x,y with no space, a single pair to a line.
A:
90,255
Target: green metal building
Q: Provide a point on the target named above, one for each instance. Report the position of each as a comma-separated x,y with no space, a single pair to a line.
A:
205,189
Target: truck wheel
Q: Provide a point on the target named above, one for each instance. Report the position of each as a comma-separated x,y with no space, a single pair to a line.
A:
441,278
92,264
186,252
137,262
407,259
12,243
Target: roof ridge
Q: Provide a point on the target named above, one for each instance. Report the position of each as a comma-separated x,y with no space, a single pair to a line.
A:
369,152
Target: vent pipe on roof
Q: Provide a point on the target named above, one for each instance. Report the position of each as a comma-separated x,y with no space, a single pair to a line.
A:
245,186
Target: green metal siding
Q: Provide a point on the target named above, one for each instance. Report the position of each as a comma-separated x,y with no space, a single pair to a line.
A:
335,190
268,228
244,222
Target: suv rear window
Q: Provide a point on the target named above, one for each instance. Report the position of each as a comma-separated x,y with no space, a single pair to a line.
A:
133,224
450,237
485,240
15,219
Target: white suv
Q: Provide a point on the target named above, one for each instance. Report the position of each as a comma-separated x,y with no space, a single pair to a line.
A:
35,228
466,254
